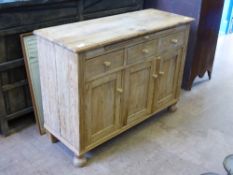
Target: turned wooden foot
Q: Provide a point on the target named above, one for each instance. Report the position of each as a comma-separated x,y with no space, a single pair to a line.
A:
52,138
172,108
79,161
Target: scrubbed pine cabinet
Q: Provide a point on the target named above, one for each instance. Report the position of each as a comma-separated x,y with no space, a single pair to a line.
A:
103,76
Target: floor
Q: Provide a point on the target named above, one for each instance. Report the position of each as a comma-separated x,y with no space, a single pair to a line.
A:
191,141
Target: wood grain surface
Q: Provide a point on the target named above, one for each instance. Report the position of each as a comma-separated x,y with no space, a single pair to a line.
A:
90,34
90,97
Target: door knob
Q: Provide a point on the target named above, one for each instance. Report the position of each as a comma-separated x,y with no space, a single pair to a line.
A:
145,51
107,63
161,73
155,76
146,37
120,90
174,41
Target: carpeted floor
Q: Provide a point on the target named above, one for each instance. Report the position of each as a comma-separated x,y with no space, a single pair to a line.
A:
191,141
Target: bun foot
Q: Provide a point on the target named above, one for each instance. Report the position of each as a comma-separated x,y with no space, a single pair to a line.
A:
79,161
172,108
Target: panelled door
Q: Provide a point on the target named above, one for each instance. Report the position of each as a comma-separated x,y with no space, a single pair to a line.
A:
139,91
102,107
167,71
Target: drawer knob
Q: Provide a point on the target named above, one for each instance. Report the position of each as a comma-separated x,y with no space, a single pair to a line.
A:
107,63
174,41
155,76
161,73
120,90
146,37
145,51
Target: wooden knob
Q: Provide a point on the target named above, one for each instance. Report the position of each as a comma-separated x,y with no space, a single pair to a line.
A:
155,76
145,51
120,90
174,41
161,73
107,63
146,37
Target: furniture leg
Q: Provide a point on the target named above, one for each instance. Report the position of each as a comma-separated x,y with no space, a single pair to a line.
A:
79,161
209,74
52,138
190,83
4,127
172,108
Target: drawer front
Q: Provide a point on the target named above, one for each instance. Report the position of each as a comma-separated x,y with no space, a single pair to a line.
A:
171,41
104,63
141,51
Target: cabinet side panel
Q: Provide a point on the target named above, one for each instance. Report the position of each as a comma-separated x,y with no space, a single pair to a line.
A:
59,86
68,99
47,68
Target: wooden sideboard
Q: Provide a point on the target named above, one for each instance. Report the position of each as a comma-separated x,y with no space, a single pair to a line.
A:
103,76
203,35
19,17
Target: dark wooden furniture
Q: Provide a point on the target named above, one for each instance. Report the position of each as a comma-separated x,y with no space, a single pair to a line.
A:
19,17
203,36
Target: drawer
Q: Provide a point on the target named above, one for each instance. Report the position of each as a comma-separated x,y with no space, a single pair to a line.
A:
171,41
140,51
104,63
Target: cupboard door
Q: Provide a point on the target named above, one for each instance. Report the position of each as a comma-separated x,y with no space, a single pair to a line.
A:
167,69
102,112
138,96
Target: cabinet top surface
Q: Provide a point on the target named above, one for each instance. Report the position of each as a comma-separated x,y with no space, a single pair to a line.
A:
85,35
